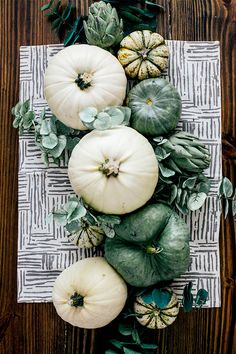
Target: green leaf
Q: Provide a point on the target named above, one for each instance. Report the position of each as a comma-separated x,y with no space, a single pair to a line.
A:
149,346
130,351
24,107
154,5
72,142
161,297
77,214
187,297
130,17
234,204
135,336
116,116
226,208
196,201
66,12
45,127
102,122
47,6
88,114
201,298
173,195
110,351
57,151
161,153
61,128
125,329
109,219
28,119
108,230
49,141
56,24
116,343
60,217
227,187
166,172
189,182
70,206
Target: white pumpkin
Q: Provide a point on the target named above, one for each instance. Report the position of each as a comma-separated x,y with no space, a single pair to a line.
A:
115,171
89,294
82,76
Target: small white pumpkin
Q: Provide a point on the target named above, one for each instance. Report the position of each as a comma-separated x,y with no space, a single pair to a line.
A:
89,294
82,76
115,171
152,316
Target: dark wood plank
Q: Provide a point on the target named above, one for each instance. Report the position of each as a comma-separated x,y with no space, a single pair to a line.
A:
35,328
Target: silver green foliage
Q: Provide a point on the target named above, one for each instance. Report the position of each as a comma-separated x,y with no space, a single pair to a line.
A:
51,136
110,117
75,216
181,153
189,301
103,27
227,195
24,117
184,192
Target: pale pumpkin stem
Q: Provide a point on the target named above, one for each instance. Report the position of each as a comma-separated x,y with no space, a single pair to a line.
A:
110,168
83,81
76,300
153,249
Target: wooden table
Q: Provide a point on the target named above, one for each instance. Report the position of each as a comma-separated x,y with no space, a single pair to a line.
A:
35,328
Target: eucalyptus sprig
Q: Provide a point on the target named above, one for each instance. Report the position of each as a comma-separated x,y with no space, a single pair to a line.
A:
51,136
63,19
186,193
227,196
75,215
110,117
24,117
189,302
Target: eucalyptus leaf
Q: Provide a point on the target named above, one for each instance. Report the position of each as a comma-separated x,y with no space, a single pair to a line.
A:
57,151
125,329
88,114
227,187
234,204
47,6
77,214
196,201
71,143
149,346
116,343
70,206
66,12
130,351
161,297
60,219
61,129
226,208
189,182
102,123
73,227
135,336
28,119
49,141
45,128
187,300
201,298
165,171
116,116
108,230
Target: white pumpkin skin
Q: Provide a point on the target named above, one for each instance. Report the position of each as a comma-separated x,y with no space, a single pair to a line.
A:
154,317
132,164
66,99
103,293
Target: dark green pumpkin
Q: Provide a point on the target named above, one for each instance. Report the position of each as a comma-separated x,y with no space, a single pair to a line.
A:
150,246
156,107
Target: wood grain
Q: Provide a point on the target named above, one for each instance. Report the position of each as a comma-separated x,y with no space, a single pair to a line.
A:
35,328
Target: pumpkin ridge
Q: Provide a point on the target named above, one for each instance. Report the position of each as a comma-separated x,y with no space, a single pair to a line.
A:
158,67
162,319
144,305
171,307
89,237
168,315
131,61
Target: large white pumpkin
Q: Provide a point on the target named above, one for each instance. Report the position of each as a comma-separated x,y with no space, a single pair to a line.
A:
115,171
82,76
89,294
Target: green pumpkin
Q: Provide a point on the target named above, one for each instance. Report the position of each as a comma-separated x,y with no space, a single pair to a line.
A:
150,246
156,107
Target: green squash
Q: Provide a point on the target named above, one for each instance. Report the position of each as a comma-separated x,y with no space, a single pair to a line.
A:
156,107
150,246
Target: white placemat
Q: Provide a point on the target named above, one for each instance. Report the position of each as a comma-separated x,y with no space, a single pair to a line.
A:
43,249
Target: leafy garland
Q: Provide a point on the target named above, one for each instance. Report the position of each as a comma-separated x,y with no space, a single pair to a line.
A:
136,15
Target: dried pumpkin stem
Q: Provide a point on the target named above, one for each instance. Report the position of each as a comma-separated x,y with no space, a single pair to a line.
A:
76,300
83,81
110,168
